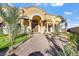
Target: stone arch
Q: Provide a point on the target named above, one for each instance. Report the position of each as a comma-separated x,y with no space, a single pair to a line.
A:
36,14
36,23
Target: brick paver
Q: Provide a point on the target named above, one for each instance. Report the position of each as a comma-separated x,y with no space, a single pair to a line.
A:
37,42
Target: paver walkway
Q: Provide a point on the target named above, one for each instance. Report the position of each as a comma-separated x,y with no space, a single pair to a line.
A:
36,43
40,44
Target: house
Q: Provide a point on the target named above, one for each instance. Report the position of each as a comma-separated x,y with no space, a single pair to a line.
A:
37,20
74,29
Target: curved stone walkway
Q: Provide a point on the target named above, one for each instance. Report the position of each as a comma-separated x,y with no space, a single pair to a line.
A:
36,43
39,44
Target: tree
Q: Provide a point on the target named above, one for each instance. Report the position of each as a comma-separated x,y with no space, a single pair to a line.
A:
57,26
9,15
65,22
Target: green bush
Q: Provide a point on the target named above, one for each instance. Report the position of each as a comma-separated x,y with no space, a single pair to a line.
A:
5,43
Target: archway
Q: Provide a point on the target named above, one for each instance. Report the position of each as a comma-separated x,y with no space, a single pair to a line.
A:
25,24
36,23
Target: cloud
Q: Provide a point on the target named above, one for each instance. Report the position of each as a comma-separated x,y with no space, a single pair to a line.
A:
37,4
44,4
52,4
77,17
67,13
73,25
68,20
57,4
10,4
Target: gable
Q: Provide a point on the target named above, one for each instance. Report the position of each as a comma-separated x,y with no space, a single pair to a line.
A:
33,10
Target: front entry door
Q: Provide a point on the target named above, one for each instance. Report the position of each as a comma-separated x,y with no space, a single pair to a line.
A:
34,26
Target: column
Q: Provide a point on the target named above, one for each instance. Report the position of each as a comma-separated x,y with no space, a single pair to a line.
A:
41,28
38,28
22,26
51,29
47,27
30,25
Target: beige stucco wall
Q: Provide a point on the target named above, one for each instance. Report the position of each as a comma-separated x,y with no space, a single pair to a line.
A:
32,11
49,16
53,18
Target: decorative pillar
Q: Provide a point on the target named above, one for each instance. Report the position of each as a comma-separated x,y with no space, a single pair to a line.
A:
30,24
22,26
38,28
47,27
29,27
51,29
41,28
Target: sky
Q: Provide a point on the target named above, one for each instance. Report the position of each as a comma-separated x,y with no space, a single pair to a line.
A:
70,11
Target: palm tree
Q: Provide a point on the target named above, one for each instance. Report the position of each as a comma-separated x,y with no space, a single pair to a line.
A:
58,23
9,15
65,22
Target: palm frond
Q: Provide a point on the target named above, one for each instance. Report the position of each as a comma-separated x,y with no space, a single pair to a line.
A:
9,14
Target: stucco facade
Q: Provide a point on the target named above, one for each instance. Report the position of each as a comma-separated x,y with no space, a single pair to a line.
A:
35,19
